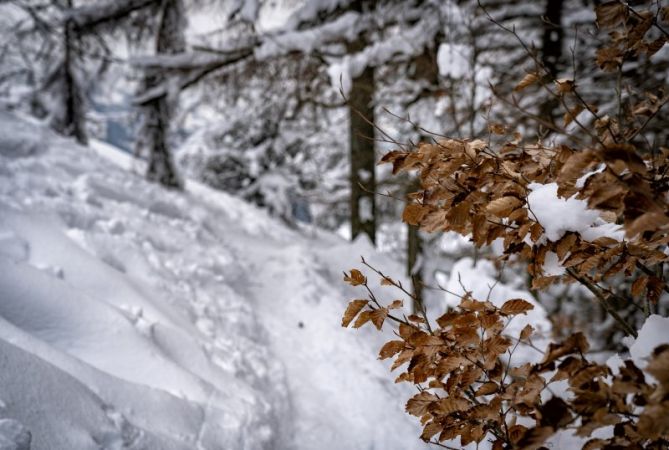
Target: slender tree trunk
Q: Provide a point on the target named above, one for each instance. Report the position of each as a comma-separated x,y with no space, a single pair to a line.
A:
157,114
414,253
551,50
426,69
156,128
363,157
72,121
553,35
361,131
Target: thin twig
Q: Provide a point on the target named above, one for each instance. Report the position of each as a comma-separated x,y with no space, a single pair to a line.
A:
604,302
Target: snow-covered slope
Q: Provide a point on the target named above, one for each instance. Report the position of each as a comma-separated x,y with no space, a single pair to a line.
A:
133,317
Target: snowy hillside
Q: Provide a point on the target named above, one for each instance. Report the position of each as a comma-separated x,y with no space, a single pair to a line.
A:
134,317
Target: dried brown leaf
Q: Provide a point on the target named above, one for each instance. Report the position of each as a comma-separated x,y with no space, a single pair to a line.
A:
378,316
390,349
639,286
527,80
504,206
352,310
362,319
487,388
413,213
355,278
396,304
564,85
526,332
430,430
516,306
418,405
611,14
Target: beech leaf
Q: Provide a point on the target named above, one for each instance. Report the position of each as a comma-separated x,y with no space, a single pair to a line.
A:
352,310
413,213
356,278
527,80
391,349
516,306
419,403
504,206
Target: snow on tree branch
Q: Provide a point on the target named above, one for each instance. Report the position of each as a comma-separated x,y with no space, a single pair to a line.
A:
206,64
89,16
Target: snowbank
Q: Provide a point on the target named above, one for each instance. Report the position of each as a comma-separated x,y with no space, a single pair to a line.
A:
132,317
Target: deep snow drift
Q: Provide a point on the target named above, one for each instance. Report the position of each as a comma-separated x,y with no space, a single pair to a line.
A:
132,317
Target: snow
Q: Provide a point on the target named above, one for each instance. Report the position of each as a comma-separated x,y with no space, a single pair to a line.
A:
249,11
14,436
404,45
580,183
105,11
340,73
559,215
453,60
552,266
306,41
134,317
366,209
307,30
311,10
653,333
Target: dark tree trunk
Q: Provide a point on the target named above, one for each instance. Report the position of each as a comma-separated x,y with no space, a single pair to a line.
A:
362,154
414,253
156,128
424,68
551,51
157,114
72,121
363,157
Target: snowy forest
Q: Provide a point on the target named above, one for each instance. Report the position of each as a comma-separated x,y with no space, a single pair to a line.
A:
334,224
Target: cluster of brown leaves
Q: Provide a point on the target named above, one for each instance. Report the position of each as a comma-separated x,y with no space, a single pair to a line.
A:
471,189
630,33
470,389
479,188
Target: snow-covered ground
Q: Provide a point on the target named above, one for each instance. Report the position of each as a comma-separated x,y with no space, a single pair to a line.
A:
133,317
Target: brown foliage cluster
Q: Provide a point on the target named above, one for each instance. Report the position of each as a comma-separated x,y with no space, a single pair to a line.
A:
469,386
473,189
470,389
631,35
480,187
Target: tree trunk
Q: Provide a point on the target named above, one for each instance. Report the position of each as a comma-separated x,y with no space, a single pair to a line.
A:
156,128
425,69
551,49
72,120
363,157
414,253
157,114
551,52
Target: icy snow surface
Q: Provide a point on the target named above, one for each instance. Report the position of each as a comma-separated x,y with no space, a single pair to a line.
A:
134,317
